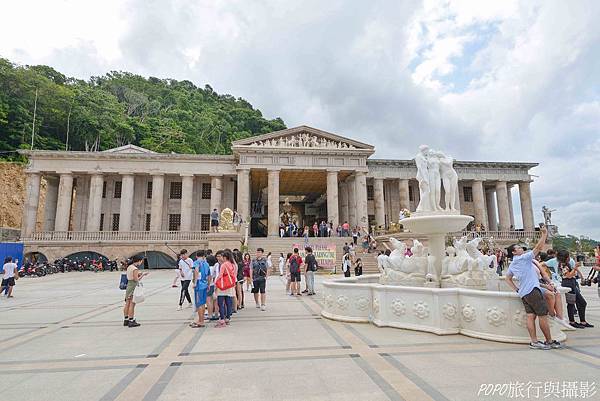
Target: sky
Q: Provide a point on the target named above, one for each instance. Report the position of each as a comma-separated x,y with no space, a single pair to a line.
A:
481,80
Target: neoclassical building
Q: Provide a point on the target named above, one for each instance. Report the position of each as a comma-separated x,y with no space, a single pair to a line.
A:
305,172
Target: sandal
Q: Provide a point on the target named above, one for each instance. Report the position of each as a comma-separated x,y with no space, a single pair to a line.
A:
195,325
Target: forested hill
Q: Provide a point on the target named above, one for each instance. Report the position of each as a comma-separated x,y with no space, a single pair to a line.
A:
118,108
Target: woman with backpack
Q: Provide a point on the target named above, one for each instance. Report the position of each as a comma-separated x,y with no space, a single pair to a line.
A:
134,276
225,286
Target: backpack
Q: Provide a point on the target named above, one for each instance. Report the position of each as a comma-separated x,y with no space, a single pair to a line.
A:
259,269
294,265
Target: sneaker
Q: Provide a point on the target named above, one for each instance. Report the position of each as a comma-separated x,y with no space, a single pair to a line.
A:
263,307
554,344
189,305
577,325
305,291
565,324
125,322
539,345
213,318
133,323
586,324
179,307
257,306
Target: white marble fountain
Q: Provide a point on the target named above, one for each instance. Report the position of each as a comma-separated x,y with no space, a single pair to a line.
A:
439,290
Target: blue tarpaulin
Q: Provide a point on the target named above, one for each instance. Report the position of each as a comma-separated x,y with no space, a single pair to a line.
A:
14,249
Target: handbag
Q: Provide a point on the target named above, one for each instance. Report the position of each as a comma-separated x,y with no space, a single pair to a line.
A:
123,282
138,294
226,280
571,297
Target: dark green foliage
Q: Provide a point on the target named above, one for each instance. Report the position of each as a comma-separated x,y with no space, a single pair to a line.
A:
163,115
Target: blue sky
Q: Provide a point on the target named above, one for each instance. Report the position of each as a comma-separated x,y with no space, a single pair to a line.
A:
506,80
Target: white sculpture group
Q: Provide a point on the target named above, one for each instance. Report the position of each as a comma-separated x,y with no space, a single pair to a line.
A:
433,169
303,141
465,265
400,269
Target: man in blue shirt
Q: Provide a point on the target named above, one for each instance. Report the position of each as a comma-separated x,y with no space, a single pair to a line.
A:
522,269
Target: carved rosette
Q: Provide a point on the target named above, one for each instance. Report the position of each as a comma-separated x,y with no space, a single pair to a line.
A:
520,318
421,309
468,313
376,305
398,307
361,303
343,302
449,311
329,300
496,317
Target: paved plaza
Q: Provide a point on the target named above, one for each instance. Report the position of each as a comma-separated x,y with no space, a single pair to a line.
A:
62,339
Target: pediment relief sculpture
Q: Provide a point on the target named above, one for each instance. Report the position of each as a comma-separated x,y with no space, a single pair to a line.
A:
303,140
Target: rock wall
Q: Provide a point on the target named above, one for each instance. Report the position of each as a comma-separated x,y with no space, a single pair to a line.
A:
12,195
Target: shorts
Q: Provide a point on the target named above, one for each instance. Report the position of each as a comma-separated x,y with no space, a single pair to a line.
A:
211,291
8,282
259,286
214,223
130,288
295,277
200,296
535,303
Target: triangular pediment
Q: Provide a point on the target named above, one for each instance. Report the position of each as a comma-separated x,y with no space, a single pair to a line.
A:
129,149
302,137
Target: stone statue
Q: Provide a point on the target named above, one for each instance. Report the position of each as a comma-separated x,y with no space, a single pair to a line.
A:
399,269
433,169
450,181
423,179
465,266
435,180
547,215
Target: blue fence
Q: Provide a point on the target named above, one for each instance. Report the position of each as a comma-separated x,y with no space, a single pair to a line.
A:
14,249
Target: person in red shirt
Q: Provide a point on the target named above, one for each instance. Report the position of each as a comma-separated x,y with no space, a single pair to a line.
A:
294,266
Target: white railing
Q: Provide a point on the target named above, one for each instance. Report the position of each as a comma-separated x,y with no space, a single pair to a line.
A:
500,235
117,236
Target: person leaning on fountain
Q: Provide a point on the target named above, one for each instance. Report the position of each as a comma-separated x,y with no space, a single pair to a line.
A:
523,269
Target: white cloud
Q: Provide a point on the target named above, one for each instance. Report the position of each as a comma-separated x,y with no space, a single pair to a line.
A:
504,80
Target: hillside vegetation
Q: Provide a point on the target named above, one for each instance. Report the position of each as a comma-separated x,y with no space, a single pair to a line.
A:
118,108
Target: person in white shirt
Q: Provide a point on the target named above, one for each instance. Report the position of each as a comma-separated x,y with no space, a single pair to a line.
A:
10,274
186,270
281,264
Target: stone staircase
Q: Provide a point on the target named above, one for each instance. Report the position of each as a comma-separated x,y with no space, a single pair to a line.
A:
285,245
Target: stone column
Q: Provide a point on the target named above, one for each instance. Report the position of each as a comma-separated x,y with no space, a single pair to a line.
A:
32,199
333,214
351,184
491,210
344,202
94,203
63,204
50,205
403,197
187,202
479,203
379,201
510,205
243,194
273,195
216,192
126,209
156,208
503,211
526,206
362,217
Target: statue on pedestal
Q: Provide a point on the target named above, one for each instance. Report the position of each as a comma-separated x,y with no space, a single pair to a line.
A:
433,169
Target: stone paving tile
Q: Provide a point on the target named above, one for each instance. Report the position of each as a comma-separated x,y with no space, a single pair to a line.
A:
61,338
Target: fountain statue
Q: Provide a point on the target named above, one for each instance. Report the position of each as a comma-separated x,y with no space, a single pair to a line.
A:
433,288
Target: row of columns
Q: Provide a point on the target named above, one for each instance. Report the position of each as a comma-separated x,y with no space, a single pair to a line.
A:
502,218
59,198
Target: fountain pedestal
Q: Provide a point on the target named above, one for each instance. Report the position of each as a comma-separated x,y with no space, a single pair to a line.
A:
436,227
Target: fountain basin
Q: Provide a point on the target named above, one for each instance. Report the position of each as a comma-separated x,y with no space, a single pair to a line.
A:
489,315
436,223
